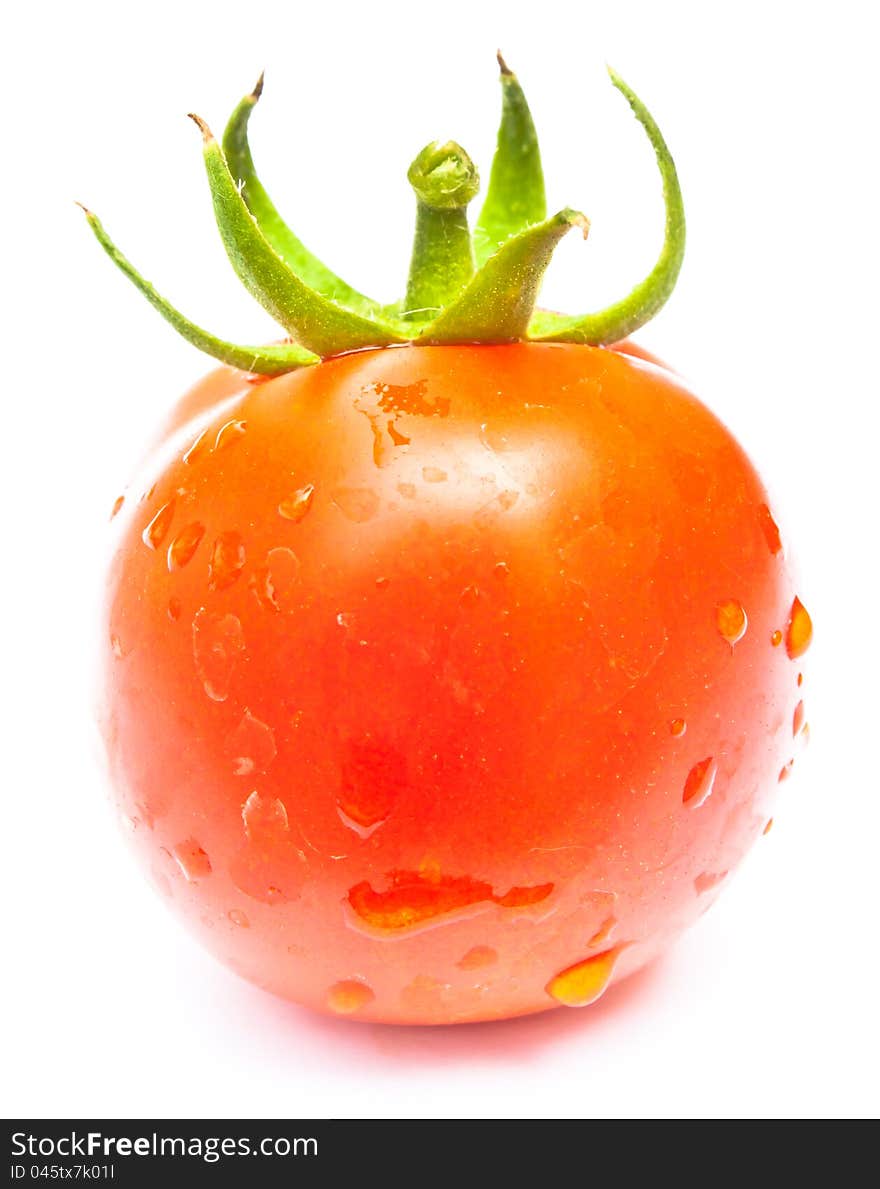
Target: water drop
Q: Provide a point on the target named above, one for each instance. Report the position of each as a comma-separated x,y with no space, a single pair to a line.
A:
251,746
776,638
265,818
192,860
116,647
183,547
584,983
218,641
769,528
227,561
434,475
275,584
156,531
480,955
200,446
345,619
798,630
382,582
501,570
229,434
356,503
239,918
603,933
708,880
732,621
700,782
797,722
174,609
785,771
373,778
677,727
296,506
349,996
416,899
117,505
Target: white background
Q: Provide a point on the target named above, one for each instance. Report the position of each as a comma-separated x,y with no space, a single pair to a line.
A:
768,1006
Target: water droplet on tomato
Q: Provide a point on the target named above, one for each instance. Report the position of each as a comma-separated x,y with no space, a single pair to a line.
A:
296,506
200,446
479,955
345,619
785,771
265,818
359,504
732,621
382,582
603,933
373,778
434,475
677,727
228,434
769,528
239,918
797,721
174,609
182,549
424,995
116,647
585,982
418,899
700,782
251,746
501,570
156,531
276,584
117,505
798,630
349,996
192,860
227,561
708,880
218,641
776,638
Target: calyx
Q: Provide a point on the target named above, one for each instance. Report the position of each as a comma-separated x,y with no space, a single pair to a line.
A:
464,286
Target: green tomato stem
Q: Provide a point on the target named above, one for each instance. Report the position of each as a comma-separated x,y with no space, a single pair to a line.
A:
618,321
264,360
515,198
444,180
310,319
497,304
288,246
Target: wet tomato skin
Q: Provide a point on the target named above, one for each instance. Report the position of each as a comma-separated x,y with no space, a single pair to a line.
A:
445,687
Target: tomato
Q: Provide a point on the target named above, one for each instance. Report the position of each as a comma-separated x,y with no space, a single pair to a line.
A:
448,683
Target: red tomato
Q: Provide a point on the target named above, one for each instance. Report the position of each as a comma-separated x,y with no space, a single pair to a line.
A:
448,683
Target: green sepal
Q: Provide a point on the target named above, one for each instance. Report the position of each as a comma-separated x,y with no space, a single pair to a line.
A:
310,319
498,303
263,360
618,321
292,251
444,180
515,198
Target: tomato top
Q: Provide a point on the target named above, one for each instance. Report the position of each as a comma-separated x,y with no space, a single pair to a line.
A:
464,286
